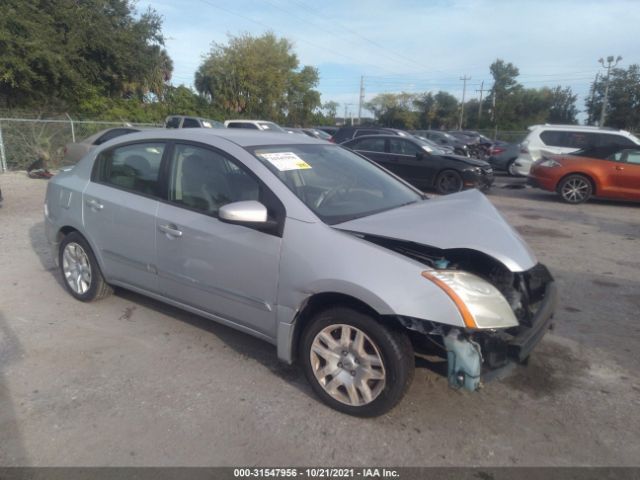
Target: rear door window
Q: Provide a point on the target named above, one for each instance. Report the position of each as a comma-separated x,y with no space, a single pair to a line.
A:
132,167
606,139
190,123
173,122
565,139
369,145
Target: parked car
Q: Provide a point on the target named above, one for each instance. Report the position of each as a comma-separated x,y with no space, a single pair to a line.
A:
73,152
307,245
413,160
186,121
316,133
347,133
296,130
261,125
609,172
444,139
502,156
327,129
561,139
437,148
478,145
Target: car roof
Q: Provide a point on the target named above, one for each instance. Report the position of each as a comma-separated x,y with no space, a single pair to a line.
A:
248,121
583,128
383,135
242,138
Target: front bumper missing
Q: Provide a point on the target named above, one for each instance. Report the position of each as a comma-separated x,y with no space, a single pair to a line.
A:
482,355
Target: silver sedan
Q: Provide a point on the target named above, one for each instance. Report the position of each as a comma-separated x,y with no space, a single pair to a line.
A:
343,266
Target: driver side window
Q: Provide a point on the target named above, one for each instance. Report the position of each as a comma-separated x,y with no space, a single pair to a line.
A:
205,180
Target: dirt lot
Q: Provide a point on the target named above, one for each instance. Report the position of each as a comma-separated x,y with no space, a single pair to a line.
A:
130,381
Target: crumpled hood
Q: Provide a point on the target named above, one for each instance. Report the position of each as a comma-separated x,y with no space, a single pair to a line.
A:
462,220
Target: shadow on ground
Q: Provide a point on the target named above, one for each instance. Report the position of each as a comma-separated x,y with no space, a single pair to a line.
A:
12,451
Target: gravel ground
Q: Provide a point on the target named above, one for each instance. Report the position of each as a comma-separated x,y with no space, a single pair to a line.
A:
130,381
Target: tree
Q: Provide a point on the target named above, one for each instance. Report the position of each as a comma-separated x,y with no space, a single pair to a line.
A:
330,110
394,110
302,99
562,105
623,105
503,98
257,77
447,108
76,54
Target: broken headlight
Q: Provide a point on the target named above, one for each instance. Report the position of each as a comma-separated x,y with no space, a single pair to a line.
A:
480,304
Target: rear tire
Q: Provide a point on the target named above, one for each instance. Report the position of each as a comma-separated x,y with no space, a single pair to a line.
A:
80,271
575,189
355,364
511,168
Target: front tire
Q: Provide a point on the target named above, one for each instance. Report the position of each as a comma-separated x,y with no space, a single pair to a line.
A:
575,189
511,168
80,271
448,181
355,364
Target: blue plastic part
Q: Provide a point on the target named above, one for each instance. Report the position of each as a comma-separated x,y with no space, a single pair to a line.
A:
441,263
464,361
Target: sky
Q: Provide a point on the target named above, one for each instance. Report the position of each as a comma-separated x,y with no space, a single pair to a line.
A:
414,45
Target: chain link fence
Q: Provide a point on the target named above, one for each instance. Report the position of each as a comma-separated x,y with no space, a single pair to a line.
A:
24,140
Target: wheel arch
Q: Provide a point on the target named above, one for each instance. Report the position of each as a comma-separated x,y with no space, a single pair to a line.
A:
319,302
66,230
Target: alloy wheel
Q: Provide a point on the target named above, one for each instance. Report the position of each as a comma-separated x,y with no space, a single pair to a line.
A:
76,268
575,190
347,364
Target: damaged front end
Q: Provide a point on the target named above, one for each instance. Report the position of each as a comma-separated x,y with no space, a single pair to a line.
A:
507,313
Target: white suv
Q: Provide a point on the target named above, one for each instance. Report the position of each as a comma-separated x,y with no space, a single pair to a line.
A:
262,125
559,139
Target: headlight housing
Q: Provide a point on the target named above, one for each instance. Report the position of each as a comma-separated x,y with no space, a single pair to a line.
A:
476,170
480,304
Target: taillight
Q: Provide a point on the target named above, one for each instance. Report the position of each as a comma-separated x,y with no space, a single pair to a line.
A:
331,140
496,150
524,150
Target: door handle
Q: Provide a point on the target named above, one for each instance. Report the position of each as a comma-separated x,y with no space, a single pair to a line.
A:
618,167
95,204
170,230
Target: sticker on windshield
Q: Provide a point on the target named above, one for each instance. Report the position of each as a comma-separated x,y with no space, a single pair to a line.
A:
285,161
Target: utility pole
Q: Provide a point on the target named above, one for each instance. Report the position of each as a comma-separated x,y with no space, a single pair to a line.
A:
493,112
593,94
464,91
480,103
361,100
611,63
344,122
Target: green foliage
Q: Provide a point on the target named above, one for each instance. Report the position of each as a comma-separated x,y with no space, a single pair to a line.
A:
258,77
72,54
623,104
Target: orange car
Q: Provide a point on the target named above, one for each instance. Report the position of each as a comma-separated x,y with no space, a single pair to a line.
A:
608,172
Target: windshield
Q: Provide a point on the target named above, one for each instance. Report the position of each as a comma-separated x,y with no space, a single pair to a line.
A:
336,184
429,146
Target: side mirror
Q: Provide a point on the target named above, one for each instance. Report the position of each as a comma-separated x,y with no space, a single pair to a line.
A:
246,212
249,213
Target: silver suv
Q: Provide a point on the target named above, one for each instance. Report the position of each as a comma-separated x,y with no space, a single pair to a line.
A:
343,266
561,139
